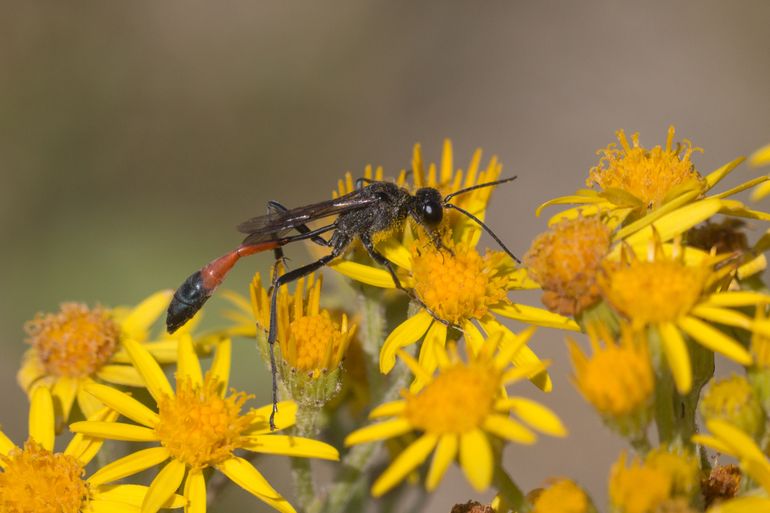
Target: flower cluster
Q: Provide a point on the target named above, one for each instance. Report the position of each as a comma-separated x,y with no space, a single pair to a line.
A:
418,337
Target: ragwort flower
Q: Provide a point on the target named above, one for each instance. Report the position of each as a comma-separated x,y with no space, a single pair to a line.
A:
198,426
641,185
37,479
79,345
456,412
673,297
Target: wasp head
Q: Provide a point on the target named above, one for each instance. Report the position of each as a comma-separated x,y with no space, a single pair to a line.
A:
428,209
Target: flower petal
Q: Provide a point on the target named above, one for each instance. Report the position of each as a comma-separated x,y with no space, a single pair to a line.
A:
83,447
131,494
291,446
123,403
535,316
476,459
188,365
154,378
745,504
6,445
195,491
525,357
220,367
408,332
570,200
114,431
120,375
677,356
364,273
286,416
395,252
41,417
716,176
722,316
761,157
129,465
243,473
63,392
533,413
673,223
509,429
164,486
436,337
738,298
446,452
713,339
389,409
143,315
88,404
165,351
379,431
411,457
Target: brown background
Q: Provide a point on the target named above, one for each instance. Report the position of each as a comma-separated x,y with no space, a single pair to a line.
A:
134,135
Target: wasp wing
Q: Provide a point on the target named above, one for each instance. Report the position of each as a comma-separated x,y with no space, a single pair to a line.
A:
276,224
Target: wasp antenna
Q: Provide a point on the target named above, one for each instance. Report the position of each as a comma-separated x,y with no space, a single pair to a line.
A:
485,227
477,186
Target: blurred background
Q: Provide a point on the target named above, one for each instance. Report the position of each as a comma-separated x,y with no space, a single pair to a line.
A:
135,135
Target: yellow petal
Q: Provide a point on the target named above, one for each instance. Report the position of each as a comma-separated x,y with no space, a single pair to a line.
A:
195,491
677,356
674,223
509,429
524,358
41,417
743,446
716,176
379,431
569,200
713,339
83,447
511,345
5,444
291,446
164,486
88,404
389,409
131,494
653,216
124,404
536,316
476,459
714,443
738,298
395,252
533,413
408,460
745,504
243,473
722,316
120,375
286,416
143,315
742,187
581,211
114,431
446,451
473,337
760,192
220,367
364,273
188,365
408,332
129,465
165,351
156,381
63,392
761,157
435,338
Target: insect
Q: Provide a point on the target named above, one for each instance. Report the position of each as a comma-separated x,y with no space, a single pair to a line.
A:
372,208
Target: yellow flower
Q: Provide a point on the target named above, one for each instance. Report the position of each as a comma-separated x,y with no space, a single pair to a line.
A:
760,158
456,412
562,496
664,482
733,400
460,286
37,479
728,439
197,426
617,380
78,345
565,260
672,297
642,185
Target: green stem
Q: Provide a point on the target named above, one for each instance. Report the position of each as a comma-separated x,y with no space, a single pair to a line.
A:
512,496
300,467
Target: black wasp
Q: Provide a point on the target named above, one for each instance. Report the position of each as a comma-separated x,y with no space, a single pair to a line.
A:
374,207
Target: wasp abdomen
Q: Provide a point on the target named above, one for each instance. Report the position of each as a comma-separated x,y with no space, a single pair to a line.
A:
188,299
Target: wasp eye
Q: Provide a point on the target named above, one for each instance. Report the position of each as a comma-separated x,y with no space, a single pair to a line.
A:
432,212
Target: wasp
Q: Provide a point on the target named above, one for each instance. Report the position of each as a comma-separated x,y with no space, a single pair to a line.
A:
373,208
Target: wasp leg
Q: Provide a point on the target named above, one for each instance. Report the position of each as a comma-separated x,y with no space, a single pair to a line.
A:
277,282
380,259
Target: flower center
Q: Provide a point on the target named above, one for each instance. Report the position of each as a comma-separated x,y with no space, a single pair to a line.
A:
732,399
617,380
316,338
457,401
564,262
74,342
459,285
647,174
653,292
625,491
35,479
198,426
